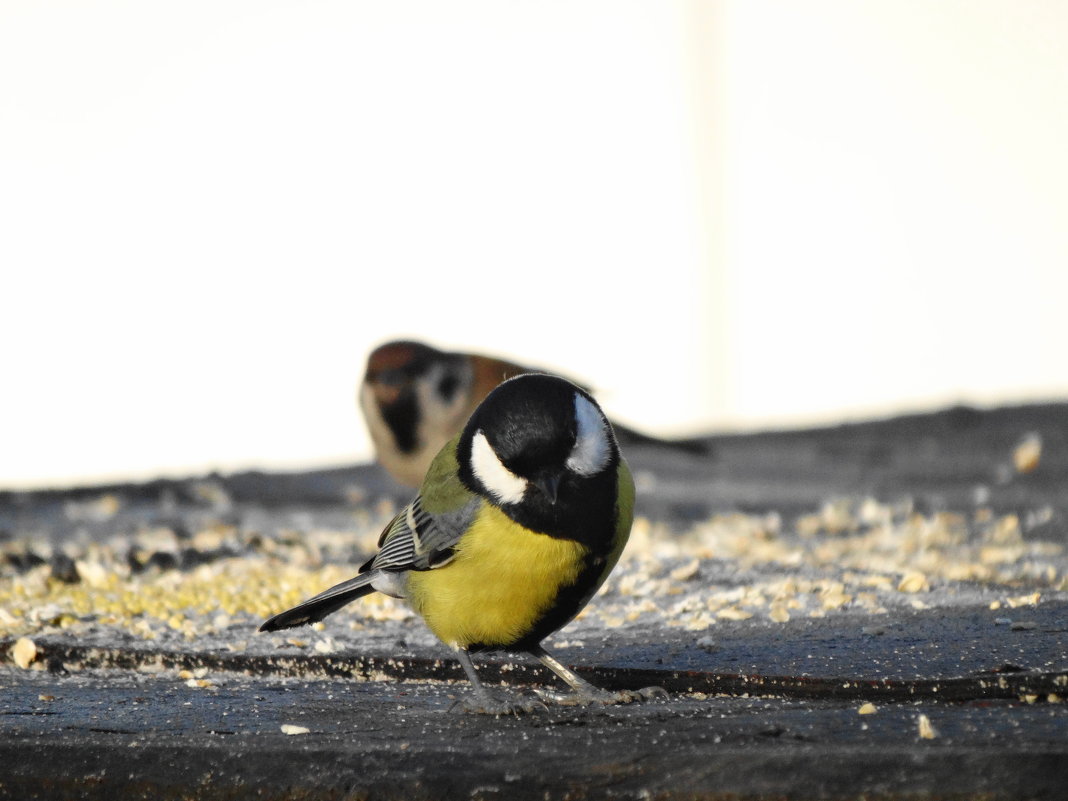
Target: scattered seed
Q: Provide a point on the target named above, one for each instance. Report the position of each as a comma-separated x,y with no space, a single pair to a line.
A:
1028,453
779,613
23,652
926,729
914,582
686,572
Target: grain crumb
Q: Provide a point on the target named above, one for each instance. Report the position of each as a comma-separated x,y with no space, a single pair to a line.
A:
23,652
1025,600
926,729
914,582
1027,454
779,613
686,572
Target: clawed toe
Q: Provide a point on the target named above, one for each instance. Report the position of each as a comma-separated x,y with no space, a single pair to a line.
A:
634,696
499,704
581,698
644,694
593,696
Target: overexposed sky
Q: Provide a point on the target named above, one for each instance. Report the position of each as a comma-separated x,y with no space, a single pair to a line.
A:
719,213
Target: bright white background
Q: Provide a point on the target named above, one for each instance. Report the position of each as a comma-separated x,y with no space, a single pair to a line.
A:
721,214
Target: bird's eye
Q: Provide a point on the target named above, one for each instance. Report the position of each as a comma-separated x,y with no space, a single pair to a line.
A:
447,387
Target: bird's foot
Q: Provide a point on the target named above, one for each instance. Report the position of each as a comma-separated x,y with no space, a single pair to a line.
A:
499,704
594,696
644,694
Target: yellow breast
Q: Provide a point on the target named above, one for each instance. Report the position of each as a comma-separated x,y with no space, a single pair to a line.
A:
499,585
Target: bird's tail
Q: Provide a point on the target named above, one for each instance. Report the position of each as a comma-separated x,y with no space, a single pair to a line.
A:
628,437
322,604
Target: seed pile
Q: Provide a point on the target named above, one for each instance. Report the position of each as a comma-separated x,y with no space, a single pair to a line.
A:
860,556
173,586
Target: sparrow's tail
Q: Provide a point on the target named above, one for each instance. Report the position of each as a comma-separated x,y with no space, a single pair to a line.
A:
323,604
628,437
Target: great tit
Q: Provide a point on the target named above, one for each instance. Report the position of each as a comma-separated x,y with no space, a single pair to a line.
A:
519,520
415,398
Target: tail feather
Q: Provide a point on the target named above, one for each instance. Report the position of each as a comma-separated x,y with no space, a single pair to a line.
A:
323,604
628,437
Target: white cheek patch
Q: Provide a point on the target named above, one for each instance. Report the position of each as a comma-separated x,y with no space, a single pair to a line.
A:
505,485
592,447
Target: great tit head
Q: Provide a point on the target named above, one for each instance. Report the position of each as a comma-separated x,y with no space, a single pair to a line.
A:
534,440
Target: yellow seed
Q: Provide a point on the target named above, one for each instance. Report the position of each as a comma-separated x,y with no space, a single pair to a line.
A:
867,709
1027,454
24,652
733,613
686,572
1025,600
836,600
914,582
926,729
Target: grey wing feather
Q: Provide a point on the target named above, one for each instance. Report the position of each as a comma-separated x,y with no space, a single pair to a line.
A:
418,540
396,546
413,540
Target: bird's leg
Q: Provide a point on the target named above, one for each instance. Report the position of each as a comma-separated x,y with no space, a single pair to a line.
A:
484,702
575,681
586,693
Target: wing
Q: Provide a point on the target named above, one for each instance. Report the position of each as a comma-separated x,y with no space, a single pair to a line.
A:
426,531
418,540
422,536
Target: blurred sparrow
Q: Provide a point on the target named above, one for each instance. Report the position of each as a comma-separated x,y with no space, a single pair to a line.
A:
415,398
